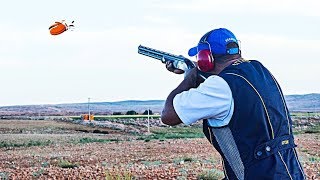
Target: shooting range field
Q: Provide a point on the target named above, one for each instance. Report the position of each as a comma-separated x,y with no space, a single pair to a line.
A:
122,148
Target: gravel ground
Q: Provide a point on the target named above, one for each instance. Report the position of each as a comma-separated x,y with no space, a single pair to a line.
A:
65,157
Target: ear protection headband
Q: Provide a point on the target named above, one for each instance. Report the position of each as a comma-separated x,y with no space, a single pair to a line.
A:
205,57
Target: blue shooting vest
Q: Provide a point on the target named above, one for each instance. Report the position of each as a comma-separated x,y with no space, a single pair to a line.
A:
258,142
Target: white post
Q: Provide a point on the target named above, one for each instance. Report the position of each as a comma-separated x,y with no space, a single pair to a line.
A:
89,108
148,122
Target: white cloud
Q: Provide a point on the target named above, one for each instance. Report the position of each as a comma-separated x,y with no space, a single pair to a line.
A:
158,20
288,45
271,7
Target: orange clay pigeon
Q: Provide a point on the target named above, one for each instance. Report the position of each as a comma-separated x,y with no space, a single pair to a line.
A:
59,27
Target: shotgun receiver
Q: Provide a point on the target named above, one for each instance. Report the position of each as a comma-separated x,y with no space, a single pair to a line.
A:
179,62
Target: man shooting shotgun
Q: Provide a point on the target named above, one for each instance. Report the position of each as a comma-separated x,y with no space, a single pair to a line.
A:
244,113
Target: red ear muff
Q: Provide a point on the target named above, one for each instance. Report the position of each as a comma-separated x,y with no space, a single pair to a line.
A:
205,60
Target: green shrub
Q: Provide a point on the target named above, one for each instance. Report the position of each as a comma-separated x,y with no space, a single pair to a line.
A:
117,113
314,159
187,159
4,175
92,140
45,164
131,112
38,173
119,176
4,144
212,174
146,112
67,164
173,133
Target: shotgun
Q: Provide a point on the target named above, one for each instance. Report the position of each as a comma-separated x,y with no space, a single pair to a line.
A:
179,62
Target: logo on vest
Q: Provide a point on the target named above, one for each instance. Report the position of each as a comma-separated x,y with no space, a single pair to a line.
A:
285,142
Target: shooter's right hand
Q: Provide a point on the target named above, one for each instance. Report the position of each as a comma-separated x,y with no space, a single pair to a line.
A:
170,67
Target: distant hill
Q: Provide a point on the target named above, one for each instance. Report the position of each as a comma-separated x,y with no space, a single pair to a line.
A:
98,108
305,103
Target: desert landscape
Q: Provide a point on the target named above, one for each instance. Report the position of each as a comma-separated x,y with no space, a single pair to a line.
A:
73,149
84,84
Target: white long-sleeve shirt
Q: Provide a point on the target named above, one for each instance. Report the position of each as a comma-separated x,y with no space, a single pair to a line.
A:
211,100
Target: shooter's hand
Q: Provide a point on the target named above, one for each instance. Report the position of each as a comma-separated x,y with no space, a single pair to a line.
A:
170,67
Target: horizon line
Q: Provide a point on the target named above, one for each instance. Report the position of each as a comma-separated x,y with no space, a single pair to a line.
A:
117,101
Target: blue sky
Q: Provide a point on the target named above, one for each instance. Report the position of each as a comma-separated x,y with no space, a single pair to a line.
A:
99,58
